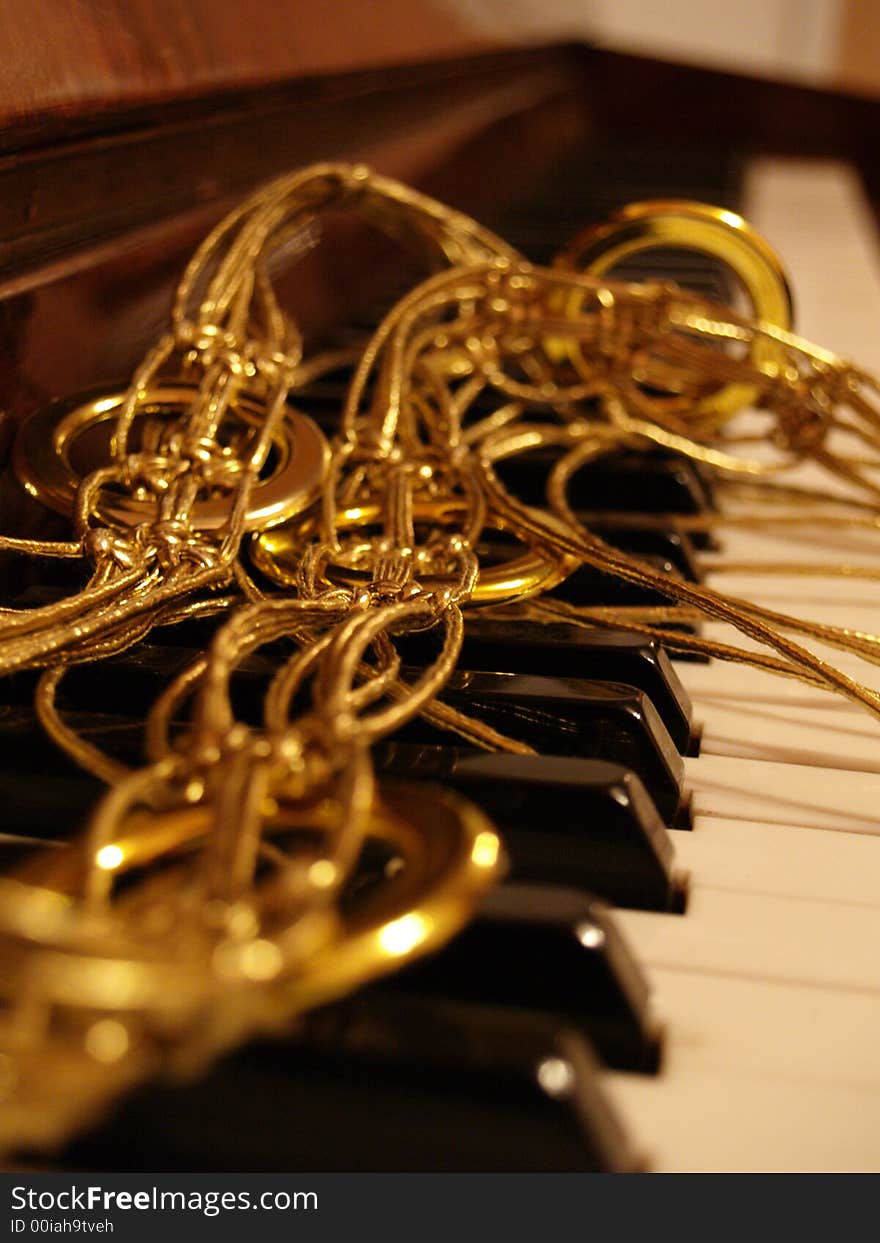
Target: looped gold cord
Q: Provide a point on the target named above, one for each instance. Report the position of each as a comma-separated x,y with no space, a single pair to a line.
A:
243,843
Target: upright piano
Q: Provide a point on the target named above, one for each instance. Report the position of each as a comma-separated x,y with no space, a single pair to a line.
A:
681,972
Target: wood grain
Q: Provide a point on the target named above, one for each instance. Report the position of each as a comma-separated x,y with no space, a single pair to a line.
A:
858,48
60,199
66,60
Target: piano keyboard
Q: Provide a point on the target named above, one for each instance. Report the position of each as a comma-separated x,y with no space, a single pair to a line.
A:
718,1006
769,987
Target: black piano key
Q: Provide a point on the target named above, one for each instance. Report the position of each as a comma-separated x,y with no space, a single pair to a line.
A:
561,649
581,823
588,586
558,716
603,832
25,746
657,481
646,482
126,683
380,1083
569,716
46,805
514,646
667,542
553,951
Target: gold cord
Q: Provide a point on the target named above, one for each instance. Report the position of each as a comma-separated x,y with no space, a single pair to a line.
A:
241,842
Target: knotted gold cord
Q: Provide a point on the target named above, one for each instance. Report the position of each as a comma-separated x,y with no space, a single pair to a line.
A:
241,843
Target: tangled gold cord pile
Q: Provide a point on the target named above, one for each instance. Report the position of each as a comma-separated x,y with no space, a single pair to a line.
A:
212,895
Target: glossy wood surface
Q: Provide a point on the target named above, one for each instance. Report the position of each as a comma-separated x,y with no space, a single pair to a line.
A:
70,66
94,232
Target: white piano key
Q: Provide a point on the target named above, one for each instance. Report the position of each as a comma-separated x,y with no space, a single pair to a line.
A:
815,214
732,683
691,1120
775,793
805,597
804,545
827,611
763,937
770,731
865,671
768,984
787,1031
787,860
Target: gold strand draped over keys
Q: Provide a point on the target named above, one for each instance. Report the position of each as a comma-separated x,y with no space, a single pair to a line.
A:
516,313
249,895
176,500
242,842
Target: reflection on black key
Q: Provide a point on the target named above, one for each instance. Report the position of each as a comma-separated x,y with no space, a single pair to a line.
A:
551,950
646,482
25,746
568,716
380,1083
642,482
666,542
128,683
46,805
561,649
564,821
588,586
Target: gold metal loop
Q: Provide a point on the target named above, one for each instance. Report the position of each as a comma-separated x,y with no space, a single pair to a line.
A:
249,873
277,553
128,997
715,231
60,444
450,851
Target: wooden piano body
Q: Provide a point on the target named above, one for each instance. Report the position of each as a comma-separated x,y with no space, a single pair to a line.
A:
768,985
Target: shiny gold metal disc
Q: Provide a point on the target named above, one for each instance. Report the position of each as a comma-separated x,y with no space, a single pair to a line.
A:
59,445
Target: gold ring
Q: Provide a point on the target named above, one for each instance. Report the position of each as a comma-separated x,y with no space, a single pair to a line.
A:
57,446
695,226
451,855
276,553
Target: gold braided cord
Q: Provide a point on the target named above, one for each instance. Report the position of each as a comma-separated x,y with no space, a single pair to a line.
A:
243,842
